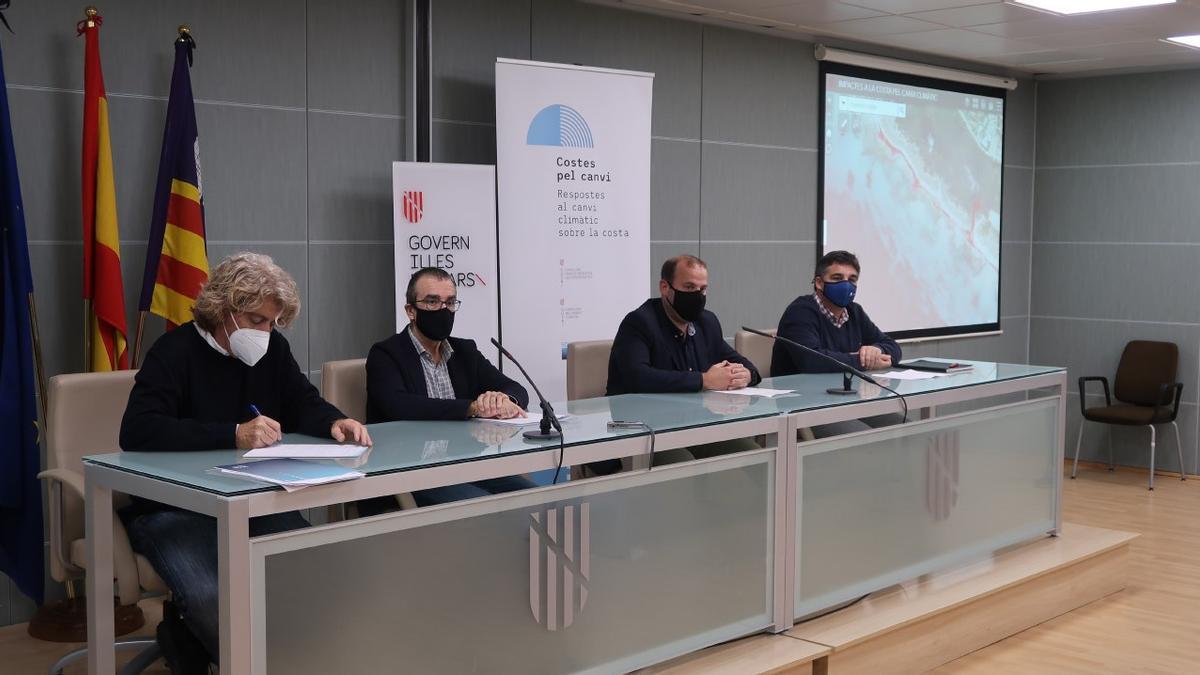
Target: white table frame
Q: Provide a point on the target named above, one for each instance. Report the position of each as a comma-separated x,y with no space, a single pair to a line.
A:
233,513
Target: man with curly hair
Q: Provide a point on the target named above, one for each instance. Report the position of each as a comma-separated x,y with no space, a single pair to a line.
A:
224,380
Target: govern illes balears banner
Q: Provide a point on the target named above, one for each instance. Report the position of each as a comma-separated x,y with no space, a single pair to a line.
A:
445,216
573,165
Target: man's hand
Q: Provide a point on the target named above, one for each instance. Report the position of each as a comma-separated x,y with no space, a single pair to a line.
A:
494,405
741,376
871,357
718,377
258,433
350,430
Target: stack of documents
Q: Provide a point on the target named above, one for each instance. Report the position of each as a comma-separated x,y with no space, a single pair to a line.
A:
908,375
291,474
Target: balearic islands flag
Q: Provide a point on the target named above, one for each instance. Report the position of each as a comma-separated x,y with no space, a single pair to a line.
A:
101,240
177,258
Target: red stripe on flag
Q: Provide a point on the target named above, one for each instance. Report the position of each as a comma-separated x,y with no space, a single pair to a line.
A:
180,276
185,214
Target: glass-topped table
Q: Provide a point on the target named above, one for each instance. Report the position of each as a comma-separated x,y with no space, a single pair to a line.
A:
682,526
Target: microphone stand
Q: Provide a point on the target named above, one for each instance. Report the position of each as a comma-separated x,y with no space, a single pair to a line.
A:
549,427
847,370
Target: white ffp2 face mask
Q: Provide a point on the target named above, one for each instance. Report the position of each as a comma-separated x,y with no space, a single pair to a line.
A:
247,344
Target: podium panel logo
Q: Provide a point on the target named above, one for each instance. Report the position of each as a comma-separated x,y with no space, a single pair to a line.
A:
414,206
561,126
559,564
941,474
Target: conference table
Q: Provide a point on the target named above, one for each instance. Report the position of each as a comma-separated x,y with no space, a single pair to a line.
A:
610,573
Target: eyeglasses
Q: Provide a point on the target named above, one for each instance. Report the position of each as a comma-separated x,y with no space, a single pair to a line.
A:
432,305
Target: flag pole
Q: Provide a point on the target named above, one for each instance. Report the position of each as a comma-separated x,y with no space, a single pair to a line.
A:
90,13
87,335
137,338
37,360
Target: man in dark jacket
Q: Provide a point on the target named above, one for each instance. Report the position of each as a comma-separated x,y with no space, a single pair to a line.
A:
671,344
421,373
830,322
225,380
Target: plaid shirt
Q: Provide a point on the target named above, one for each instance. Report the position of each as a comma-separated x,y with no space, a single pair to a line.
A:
838,320
437,375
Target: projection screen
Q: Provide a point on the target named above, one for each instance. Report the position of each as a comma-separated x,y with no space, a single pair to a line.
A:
911,171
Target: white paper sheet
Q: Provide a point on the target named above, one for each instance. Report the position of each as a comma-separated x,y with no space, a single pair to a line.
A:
757,391
308,451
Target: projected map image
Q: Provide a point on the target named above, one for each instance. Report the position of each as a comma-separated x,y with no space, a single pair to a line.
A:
912,185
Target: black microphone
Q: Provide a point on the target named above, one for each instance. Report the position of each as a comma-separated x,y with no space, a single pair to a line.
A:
847,370
549,420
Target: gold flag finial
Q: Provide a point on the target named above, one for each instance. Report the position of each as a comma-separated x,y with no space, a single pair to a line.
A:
91,13
184,29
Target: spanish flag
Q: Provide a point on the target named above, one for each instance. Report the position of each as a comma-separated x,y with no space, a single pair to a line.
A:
101,241
177,257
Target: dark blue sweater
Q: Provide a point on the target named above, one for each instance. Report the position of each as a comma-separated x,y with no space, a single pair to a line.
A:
803,322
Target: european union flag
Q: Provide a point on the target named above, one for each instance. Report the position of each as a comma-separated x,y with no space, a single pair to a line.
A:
20,493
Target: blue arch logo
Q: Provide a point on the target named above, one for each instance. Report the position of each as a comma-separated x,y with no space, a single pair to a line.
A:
561,126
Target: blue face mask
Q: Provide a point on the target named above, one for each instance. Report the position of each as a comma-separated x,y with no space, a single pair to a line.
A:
840,293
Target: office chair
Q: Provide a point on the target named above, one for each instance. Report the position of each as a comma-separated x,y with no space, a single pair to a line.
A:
1147,393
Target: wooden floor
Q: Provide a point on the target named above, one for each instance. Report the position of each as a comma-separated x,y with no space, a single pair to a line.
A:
1151,627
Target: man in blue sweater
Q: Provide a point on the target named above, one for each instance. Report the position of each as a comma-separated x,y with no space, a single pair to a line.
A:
829,321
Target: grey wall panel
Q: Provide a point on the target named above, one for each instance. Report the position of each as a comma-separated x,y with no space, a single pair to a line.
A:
1147,117
46,130
356,56
464,143
254,167
751,284
674,191
917,350
1093,348
57,287
1008,347
1017,208
136,133
569,32
752,194
1108,282
350,175
468,36
1019,119
137,47
1119,203
759,89
352,301
293,258
47,53
1014,280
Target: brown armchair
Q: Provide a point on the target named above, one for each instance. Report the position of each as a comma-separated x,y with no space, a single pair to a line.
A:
1147,394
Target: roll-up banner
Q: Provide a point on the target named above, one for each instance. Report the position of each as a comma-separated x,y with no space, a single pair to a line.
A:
445,216
573,160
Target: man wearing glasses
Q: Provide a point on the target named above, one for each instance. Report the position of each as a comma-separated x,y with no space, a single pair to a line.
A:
421,373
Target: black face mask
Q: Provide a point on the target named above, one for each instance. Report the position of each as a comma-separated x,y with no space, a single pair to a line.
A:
688,304
435,324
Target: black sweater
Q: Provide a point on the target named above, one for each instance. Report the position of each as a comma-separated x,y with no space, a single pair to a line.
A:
804,322
396,382
647,358
188,396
